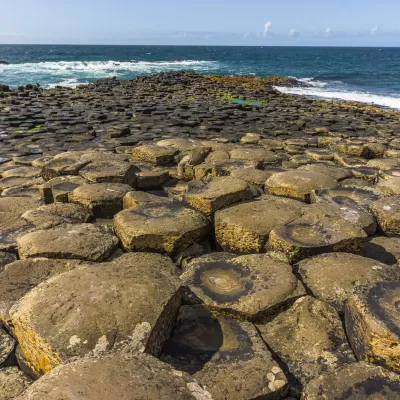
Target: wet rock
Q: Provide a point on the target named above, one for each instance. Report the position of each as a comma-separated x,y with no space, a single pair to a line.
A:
19,277
298,184
387,213
226,355
356,381
51,215
372,323
12,383
332,277
245,227
309,339
252,287
216,194
103,200
80,241
161,227
93,308
113,377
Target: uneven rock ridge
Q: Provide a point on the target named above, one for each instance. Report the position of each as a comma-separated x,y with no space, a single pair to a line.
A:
191,237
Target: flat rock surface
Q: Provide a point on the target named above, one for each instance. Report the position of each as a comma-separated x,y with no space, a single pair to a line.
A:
13,382
93,308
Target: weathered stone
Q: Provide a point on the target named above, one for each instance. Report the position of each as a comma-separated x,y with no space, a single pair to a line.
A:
357,381
51,215
30,172
134,199
110,171
387,213
103,200
6,258
383,249
298,184
80,241
12,383
216,194
252,176
154,154
116,376
373,323
69,163
94,308
7,347
252,286
226,355
18,205
390,185
245,227
162,227
19,277
332,277
148,178
11,227
309,340
58,189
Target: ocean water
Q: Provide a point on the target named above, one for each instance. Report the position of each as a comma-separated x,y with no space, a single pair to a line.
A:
370,75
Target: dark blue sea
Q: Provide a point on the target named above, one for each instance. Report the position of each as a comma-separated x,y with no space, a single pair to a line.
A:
370,75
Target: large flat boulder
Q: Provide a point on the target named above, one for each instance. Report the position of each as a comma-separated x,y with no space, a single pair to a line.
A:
94,308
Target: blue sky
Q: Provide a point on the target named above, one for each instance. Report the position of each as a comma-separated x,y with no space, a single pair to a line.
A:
207,22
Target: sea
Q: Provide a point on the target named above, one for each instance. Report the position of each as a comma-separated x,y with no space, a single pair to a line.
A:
369,75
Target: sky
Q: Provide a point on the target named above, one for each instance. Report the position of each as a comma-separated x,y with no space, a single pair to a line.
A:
206,22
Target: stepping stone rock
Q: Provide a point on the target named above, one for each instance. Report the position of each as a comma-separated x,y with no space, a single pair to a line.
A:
387,213
312,235
7,347
18,205
383,249
51,215
252,286
11,227
27,172
116,376
357,381
373,323
161,227
58,189
12,383
298,184
309,340
63,164
103,200
337,173
390,185
216,194
135,298
110,171
19,277
134,199
332,277
245,227
81,241
155,154
226,355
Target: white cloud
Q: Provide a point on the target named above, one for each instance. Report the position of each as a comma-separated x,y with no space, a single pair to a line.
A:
292,33
267,27
374,30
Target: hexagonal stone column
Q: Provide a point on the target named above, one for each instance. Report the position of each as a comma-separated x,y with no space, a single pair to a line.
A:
309,339
356,381
373,323
95,307
226,355
252,286
81,241
116,376
163,227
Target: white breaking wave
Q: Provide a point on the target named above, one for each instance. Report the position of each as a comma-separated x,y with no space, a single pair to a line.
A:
329,93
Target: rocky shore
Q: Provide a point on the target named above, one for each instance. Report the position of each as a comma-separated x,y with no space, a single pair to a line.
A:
189,237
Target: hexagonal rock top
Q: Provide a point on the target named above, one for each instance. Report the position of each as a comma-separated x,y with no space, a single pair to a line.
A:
135,298
208,197
245,227
373,323
81,241
162,227
332,277
357,381
387,212
116,376
154,154
103,200
309,339
298,184
227,356
251,286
